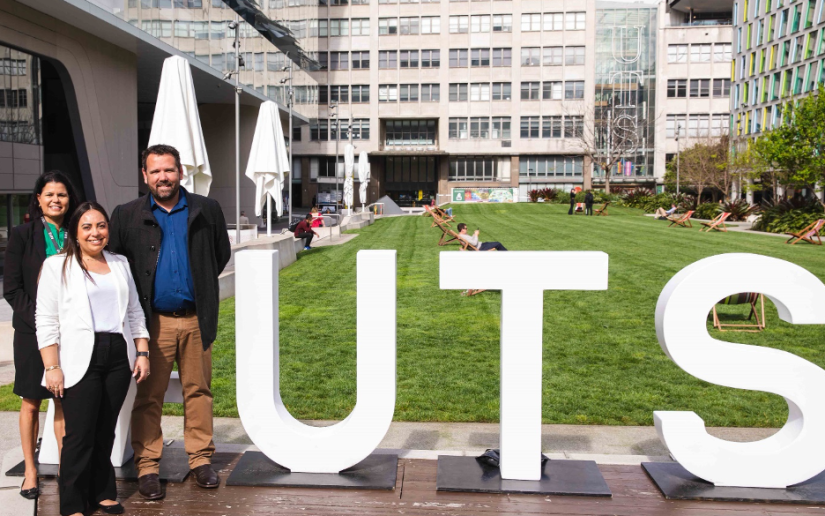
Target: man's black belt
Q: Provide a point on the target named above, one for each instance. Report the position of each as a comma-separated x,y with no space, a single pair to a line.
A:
178,313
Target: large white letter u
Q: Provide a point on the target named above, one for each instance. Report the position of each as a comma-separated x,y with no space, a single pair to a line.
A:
281,437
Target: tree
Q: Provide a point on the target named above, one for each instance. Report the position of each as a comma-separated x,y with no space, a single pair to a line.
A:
794,151
705,165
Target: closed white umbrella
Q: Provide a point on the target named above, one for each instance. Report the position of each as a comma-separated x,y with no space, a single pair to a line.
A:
349,162
268,165
363,177
177,123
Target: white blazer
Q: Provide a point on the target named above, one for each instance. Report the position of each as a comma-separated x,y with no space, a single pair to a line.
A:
64,316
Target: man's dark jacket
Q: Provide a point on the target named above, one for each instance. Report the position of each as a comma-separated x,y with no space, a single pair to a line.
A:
135,233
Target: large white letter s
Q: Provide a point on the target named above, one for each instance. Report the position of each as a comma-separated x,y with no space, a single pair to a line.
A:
797,451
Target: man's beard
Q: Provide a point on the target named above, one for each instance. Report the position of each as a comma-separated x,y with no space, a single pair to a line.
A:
172,193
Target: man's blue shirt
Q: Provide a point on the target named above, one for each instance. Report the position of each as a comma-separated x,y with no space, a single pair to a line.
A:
174,289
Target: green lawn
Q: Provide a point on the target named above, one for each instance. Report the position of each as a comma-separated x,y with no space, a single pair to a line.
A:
602,362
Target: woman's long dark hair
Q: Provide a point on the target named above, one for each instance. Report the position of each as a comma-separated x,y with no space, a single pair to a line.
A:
71,247
53,176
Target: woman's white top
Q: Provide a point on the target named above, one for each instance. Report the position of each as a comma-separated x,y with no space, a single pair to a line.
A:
64,312
102,294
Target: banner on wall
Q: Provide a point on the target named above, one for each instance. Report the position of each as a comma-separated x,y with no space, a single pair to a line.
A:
484,195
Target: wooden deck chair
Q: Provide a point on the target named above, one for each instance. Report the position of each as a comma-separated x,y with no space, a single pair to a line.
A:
447,232
436,217
751,299
717,224
808,234
446,217
681,220
603,209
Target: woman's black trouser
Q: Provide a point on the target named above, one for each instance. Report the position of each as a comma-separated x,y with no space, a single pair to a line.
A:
572,205
91,408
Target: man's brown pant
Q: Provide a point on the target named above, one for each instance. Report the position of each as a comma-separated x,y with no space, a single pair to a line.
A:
174,339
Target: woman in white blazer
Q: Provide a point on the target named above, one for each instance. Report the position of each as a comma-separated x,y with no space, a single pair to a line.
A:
92,336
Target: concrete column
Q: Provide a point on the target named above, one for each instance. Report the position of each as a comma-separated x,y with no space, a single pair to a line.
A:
587,167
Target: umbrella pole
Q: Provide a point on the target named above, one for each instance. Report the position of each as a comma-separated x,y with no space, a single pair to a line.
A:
269,215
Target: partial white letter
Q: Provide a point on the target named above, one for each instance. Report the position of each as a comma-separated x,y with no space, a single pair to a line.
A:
522,277
281,437
795,453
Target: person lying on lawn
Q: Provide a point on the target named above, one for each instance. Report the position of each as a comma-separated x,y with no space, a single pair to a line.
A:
481,246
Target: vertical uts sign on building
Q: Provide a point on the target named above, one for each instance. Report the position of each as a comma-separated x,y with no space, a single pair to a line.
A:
795,454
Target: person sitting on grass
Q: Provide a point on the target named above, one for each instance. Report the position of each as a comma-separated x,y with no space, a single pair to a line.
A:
473,240
305,231
662,214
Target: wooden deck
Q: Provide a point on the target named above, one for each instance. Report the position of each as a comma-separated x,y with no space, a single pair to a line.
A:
415,494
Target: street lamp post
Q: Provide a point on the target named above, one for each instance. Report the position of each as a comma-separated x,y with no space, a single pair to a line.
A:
290,99
237,131
337,138
678,131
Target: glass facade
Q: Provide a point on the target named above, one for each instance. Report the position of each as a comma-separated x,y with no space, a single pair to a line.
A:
625,83
271,32
20,106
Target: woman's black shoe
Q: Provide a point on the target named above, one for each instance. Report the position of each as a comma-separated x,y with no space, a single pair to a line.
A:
30,494
112,509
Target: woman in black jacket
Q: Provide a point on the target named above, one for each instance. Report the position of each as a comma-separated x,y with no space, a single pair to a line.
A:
51,207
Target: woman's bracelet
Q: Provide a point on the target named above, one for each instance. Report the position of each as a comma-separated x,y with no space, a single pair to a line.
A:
51,368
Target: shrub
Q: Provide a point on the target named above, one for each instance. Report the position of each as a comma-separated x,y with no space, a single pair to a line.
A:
788,215
707,210
739,209
549,194
533,195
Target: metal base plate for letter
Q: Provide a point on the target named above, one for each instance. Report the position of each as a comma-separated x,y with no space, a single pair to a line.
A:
377,471
174,467
558,477
677,483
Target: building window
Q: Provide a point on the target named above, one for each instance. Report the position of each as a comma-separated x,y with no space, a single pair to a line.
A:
675,122
529,127
458,128
574,21
677,88
339,61
360,60
531,22
574,55
361,129
700,88
480,23
338,28
387,93
360,93
503,23
480,57
530,90
409,93
722,53
339,93
552,90
502,57
698,125
388,59
573,126
430,58
360,26
430,25
553,56
409,26
721,87
551,126
430,93
719,124
409,58
574,90
501,91
551,166
677,53
501,128
553,21
530,56
700,53
387,26
459,24
479,127
479,91
459,58
473,169
458,92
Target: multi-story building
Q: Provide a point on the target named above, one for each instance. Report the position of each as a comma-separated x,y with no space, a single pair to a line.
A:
778,53
498,93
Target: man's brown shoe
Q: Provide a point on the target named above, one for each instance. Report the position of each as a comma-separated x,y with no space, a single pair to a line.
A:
149,487
206,477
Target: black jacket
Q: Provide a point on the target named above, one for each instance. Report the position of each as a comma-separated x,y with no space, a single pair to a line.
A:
25,254
135,233
588,198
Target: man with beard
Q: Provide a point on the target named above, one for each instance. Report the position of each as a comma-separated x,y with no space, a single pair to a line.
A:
177,245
